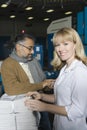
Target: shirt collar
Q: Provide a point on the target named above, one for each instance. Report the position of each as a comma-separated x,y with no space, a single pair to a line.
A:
71,67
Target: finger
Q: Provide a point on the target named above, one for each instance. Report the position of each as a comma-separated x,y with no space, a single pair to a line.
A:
30,93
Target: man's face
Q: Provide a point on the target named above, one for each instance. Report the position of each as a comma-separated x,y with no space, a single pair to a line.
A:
26,49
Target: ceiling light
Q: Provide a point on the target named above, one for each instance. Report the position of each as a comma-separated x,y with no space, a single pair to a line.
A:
50,10
46,19
69,12
28,8
4,5
12,16
30,18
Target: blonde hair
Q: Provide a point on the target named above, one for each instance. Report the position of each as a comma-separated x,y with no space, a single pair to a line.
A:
71,35
56,62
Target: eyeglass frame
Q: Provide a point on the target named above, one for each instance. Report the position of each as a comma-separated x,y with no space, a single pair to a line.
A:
29,48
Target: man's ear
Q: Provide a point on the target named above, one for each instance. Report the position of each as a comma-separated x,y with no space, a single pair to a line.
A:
18,47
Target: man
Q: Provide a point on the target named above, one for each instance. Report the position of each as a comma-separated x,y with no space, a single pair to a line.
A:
21,72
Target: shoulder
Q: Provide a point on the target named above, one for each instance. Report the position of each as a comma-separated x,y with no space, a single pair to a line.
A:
81,66
8,62
81,70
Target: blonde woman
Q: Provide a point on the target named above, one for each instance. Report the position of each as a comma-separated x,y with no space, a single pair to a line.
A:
70,89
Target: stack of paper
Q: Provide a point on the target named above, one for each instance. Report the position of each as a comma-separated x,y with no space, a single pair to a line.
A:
7,122
14,115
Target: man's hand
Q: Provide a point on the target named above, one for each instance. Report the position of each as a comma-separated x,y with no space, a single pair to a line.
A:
48,83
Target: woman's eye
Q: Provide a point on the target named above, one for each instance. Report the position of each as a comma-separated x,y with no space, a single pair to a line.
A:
57,45
65,43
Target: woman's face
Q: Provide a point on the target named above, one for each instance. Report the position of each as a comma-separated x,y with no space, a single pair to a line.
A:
65,50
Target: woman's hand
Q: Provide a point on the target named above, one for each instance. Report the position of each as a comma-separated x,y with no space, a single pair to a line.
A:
34,95
35,105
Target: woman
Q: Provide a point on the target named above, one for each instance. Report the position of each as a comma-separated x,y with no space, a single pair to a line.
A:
70,88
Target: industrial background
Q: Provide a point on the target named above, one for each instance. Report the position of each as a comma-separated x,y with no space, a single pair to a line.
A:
37,17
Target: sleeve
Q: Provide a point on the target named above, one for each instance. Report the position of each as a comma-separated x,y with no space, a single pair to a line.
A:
15,80
78,106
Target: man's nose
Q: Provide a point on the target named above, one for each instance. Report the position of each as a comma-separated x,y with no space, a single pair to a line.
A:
32,51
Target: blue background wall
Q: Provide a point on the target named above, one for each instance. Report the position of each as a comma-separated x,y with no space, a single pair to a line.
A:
4,52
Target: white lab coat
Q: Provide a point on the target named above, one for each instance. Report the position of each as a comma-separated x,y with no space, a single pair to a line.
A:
70,90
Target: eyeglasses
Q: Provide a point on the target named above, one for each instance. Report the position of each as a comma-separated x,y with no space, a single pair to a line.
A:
30,48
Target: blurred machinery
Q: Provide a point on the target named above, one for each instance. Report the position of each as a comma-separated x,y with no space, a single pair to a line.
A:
38,53
82,26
